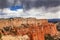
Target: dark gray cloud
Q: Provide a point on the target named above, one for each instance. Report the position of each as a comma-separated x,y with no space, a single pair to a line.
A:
29,3
39,3
8,3
3,3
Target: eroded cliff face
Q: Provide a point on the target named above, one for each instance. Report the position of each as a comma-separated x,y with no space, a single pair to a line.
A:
32,27
16,22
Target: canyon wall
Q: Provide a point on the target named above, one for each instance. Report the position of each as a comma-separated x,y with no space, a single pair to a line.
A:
16,22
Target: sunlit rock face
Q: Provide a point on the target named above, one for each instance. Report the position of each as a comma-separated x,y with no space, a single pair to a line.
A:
9,37
16,22
26,28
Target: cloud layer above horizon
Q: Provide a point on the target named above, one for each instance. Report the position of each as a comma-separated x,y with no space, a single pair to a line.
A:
43,9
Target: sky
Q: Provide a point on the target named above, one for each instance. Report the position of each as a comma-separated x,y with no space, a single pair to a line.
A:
42,9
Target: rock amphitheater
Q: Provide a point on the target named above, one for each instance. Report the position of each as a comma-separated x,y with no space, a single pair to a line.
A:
26,29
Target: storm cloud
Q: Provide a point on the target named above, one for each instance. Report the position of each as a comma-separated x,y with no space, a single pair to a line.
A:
2,4
43,9
39,3
29,3
9,3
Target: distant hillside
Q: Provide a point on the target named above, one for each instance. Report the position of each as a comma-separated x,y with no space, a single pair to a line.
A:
54,20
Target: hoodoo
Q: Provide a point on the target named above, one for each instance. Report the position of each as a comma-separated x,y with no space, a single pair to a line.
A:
35,29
